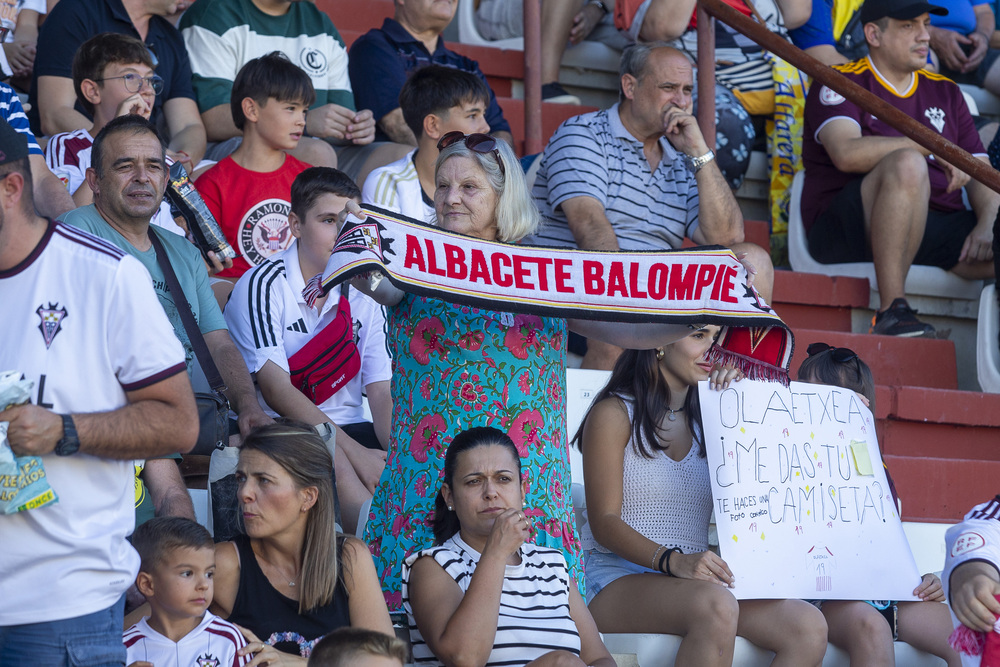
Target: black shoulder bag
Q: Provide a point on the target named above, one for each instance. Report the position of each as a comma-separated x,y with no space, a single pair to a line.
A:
213,406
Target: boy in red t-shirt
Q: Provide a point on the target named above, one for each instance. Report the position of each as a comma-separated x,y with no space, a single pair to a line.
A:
249,191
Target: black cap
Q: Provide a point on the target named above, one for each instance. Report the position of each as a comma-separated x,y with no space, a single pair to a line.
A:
13,144
903,10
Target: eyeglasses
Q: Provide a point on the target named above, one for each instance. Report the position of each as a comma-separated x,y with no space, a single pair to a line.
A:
841,355
133,82
480,143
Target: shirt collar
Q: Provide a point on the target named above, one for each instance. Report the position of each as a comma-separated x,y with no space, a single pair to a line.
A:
618,130
397,33
293,270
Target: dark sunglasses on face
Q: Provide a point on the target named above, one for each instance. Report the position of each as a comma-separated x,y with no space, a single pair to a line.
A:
841,355
480,143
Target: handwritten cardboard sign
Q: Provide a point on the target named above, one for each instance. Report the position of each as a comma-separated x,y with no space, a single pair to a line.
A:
802,505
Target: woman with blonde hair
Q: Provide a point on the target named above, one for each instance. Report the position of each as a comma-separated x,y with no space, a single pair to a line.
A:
457,366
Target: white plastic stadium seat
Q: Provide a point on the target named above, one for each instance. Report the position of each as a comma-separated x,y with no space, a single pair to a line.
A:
921,280
987,350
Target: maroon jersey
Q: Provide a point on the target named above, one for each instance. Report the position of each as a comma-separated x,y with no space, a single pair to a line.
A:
932,99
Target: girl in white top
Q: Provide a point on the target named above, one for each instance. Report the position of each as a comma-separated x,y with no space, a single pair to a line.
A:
649,569
484,595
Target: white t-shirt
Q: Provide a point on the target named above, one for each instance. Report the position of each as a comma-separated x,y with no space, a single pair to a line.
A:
214,642
68,156
81,320
269,321
976,538
395,187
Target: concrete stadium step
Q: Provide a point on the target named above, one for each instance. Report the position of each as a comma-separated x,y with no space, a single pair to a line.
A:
941,447
813,301
896,362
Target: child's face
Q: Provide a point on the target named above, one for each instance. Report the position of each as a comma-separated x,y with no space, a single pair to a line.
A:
281,124
113,90
467,117
317,233
183,583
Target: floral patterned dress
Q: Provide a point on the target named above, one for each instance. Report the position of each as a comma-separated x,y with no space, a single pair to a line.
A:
455,367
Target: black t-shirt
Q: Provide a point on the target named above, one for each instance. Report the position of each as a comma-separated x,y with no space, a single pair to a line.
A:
265,611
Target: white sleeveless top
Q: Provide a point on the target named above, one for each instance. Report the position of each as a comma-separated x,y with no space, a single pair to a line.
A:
668,501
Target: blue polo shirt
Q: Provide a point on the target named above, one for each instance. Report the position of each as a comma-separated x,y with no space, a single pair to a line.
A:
381,59
72,22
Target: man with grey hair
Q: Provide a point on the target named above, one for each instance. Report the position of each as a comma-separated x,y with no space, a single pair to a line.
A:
640,176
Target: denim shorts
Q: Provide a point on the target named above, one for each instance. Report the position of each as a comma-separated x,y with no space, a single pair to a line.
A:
92,640
600,569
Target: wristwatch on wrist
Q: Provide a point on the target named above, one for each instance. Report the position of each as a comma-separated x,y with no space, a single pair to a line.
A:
69,443
601,5
696,163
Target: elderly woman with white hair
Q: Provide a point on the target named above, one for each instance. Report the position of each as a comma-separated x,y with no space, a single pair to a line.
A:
457,366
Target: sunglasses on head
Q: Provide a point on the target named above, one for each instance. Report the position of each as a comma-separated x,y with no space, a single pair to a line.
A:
841,355
478,142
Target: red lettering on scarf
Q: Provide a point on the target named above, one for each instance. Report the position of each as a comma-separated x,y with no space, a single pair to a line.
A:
456,261
543,274
682,284
633,281
593,277
480,271
657,283
414,255
719,277
563,275
432,266
616,280
728,286
501,279
521,272
705,277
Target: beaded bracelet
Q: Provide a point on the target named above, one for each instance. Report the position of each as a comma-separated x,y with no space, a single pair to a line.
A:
305,645
652,563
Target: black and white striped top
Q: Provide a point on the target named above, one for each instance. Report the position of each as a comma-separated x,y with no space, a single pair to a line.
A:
534,604
593,155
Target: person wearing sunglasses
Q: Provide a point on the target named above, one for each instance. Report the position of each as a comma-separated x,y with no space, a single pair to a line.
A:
867,629
455,367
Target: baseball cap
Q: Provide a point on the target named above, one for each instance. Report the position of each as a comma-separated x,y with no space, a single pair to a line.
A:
873,10
13,144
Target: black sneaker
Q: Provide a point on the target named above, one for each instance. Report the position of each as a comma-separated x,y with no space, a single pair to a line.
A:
900,320
554,92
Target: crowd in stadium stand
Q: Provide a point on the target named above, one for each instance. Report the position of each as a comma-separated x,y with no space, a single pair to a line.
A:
395,456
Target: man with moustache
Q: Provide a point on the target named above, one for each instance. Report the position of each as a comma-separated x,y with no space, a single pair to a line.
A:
128,175
873,195
640,176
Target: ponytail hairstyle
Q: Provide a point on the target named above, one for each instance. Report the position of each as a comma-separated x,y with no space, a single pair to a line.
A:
637,376
299,449
446,521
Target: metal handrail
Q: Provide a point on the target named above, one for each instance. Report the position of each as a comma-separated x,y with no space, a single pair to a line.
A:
836,81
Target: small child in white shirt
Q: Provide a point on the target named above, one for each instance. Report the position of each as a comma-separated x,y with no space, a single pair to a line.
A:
178,564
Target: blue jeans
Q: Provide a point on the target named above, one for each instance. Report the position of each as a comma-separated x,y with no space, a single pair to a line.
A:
94,640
